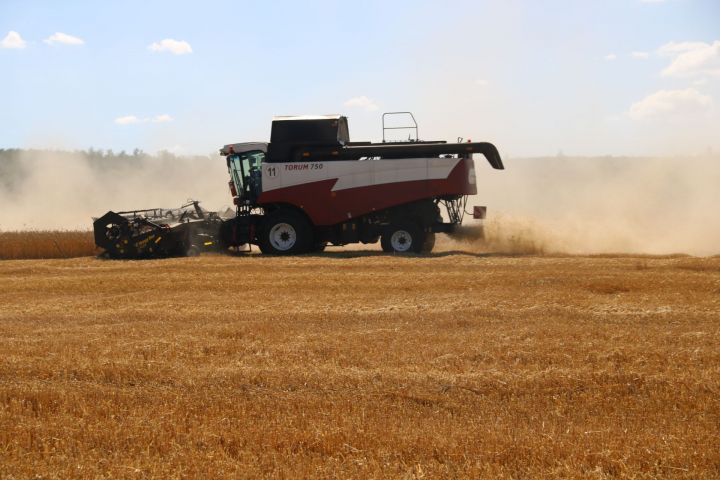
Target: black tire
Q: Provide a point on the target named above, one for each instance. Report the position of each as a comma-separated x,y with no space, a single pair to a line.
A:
285,233
319,247
403,237
225,234
192,251
429,243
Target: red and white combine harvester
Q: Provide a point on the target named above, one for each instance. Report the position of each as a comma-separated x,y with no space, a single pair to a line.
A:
311,186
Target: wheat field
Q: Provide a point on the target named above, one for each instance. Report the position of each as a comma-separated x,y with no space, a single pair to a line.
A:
361,365
22,245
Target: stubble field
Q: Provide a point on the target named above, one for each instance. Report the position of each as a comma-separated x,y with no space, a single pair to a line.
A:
361,365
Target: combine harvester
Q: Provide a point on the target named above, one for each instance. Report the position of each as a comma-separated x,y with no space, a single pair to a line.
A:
311,186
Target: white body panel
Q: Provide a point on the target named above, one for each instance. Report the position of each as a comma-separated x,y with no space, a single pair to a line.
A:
356,173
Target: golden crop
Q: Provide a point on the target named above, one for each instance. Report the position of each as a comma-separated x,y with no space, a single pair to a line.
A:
46,244
361,365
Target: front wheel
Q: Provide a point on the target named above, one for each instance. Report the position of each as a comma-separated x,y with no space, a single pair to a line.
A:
403,238
429,243
285,233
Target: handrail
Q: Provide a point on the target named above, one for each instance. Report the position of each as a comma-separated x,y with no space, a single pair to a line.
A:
409,127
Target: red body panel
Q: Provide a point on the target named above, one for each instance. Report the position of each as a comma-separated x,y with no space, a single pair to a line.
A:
327,207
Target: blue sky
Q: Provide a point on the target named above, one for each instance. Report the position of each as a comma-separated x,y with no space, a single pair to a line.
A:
603,77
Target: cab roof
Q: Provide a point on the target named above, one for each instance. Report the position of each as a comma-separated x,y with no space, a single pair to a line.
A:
243,147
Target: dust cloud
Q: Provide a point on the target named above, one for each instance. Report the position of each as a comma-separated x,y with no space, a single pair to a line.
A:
64,190
598,205
540,205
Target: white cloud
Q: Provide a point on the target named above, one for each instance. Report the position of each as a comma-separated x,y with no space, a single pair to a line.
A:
162,118
127,120
64,39
640,55
673,48
361,102
176,47
132,119
692,59
610,57
12,40
670,102
480,82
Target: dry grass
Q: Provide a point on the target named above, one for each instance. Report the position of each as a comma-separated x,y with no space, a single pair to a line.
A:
360,365
45,244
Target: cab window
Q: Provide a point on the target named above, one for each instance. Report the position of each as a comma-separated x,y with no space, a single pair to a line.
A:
245,171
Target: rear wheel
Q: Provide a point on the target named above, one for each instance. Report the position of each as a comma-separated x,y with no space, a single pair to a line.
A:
403,238
285,233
